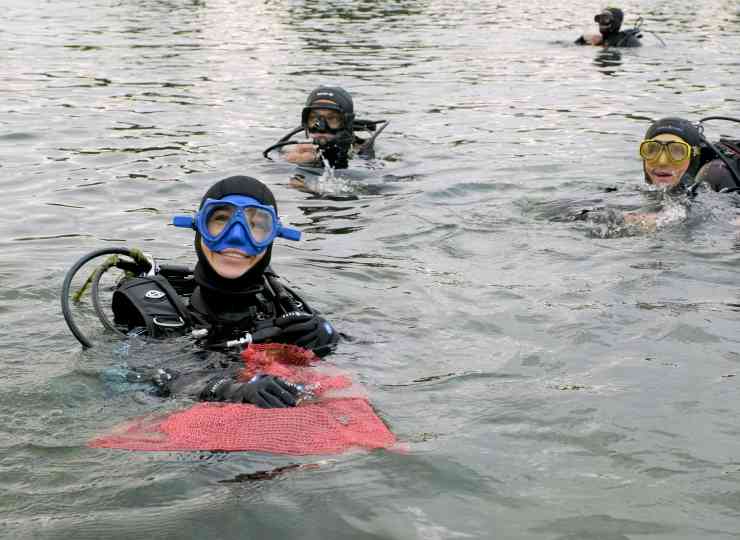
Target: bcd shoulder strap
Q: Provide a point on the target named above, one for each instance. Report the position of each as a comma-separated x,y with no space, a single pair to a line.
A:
150,302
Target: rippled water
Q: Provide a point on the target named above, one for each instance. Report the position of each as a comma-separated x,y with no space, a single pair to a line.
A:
550,381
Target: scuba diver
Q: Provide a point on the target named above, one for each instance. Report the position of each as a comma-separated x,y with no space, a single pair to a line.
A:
610,21
231,299
328,122
677,157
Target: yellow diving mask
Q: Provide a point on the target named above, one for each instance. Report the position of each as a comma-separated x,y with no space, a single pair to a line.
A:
676,151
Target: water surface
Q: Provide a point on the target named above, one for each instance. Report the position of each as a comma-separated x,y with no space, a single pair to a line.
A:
549,383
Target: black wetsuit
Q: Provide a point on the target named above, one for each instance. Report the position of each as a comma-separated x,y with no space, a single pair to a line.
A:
625,38
267,312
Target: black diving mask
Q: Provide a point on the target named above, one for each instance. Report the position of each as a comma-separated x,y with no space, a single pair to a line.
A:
322,125
324,119
604,18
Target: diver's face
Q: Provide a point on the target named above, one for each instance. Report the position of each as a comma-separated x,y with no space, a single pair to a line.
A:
230,263
661,170
605,20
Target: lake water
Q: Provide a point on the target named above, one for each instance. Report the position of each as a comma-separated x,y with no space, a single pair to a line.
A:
550,379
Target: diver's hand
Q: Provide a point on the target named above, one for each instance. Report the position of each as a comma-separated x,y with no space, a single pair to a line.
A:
308,331
264,391
300,153
162,378
593,39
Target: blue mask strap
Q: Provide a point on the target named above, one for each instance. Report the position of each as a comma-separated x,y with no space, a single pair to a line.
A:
289,233
186,222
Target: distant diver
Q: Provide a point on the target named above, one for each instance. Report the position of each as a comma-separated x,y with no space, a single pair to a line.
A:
610,22
328,122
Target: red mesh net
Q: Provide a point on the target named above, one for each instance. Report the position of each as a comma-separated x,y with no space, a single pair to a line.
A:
336,418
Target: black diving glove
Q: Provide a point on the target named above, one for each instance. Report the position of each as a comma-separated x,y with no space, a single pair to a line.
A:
265,391
308,331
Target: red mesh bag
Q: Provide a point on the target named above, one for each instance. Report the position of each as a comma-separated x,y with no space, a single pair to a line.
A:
335,418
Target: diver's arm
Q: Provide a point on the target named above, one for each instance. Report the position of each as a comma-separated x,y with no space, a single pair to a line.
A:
222,385
309,330
648,221
187,380
298,323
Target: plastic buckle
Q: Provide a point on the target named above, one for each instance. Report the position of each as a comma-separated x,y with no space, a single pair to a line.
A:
179,324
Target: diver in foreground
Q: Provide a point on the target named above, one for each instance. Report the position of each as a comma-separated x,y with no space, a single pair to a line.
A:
610,22
230,300
330,127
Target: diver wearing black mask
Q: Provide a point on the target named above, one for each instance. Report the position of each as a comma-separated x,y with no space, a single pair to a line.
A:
610,22
328,122
328,118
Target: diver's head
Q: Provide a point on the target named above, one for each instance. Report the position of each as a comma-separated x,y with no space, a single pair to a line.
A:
609,20
328,118
671,152
236,225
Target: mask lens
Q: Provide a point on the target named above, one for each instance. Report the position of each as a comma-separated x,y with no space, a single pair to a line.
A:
261,224
678,151
650,150
603,18
333,119
219,216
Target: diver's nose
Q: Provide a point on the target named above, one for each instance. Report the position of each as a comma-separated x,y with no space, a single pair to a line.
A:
238,233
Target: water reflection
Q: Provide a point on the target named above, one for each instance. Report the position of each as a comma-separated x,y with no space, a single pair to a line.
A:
165,7
349,184
359,29
389,11
458,272
327,219
608,59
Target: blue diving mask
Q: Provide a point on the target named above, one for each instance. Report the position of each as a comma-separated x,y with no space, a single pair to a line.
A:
237,222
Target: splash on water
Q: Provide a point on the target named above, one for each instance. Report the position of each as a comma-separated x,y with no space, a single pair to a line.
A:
324,181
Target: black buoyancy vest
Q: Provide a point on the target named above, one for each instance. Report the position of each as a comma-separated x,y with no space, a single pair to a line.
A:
153,304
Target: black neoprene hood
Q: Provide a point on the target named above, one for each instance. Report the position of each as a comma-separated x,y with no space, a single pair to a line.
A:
339,96
207,276
617,18
675,126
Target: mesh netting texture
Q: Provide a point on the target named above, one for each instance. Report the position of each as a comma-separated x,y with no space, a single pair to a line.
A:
334,417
